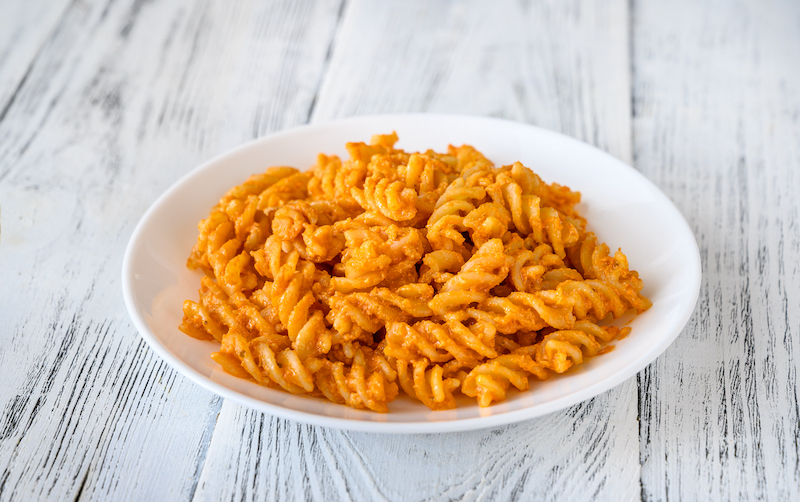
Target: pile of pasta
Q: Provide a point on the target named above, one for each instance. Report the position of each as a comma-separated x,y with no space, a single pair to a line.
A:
430,273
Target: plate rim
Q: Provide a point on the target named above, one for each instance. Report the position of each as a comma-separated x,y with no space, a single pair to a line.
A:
694,269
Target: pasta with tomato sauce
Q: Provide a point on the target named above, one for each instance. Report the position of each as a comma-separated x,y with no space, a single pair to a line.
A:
425,273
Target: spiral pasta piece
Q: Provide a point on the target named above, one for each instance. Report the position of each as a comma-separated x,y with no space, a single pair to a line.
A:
446,224
490,381
522,205
429,175
198,323
560,350
484,270
427,384
529,268
378,256
392,198
440,266
523,311
283,368
590,299
594,262
487,222
308,228
439,342
287,189
224,257
487,268
325,183
354,314
367,383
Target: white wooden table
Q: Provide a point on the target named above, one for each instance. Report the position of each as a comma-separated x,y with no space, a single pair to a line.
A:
103,105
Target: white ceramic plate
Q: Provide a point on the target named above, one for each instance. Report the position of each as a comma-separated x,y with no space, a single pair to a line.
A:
622,207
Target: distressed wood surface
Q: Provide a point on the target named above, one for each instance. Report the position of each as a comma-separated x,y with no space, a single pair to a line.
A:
717,127
104,104
25,28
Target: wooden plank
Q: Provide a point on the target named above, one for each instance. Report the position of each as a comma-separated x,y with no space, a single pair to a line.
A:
24,27
122,100
562,65
580,454
559,65
717,98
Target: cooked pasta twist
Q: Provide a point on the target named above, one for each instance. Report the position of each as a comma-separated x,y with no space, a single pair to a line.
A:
308,228
439,342
490,381
292,300
594,262
367,383
427,273
530,266
392,198
559,350
446,225
377,256
427,383
487,268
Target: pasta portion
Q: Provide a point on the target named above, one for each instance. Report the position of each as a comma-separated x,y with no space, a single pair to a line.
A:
426,273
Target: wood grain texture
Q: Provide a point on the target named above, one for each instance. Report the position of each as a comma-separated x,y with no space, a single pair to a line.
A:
415,56
104,104
25,26
717,101
275,459
121,100
559,65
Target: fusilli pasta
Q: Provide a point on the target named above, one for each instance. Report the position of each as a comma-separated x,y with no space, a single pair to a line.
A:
429,273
